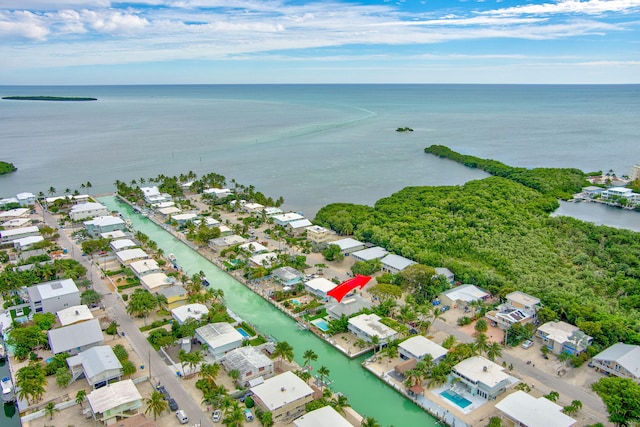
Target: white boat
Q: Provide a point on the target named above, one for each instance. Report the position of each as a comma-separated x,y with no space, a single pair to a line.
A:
3,352
8,393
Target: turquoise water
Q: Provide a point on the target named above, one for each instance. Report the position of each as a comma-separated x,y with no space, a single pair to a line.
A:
243,333
321,324
366,393
295,302
455,398
9,416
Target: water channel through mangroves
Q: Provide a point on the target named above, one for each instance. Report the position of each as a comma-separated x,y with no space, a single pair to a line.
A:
367,394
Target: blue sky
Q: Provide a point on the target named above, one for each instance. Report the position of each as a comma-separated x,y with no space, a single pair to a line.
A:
45,42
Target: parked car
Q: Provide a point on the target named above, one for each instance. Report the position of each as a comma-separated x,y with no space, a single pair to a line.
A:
445,308
182,416
217,416
527,344
164,392
248,415
173,405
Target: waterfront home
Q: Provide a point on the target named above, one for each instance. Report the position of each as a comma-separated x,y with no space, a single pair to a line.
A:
250,362
219,193
463,295
166,212
562,337
394,264
522,409
220,243
322,417
120,244
154,282
8,201
8,236
348,306
116,234
448,274
76,338
227,231
87,210
114,402
75,314
194,311
145,267
319,287
417,347
253,208
618,194
17,223
15,213
104,224
98,365
319,235
592,191
263,260
284,395
26,199
220,338
127,256
287,276
270,211
285,218
621,360
348,245
369,254
298,227
367,326
150,191
26,242
50,297
176,296
183,219
208,222
479,376
253,248
163,205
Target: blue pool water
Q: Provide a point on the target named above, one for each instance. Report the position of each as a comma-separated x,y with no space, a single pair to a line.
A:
455,398
322,324
243,332
295,302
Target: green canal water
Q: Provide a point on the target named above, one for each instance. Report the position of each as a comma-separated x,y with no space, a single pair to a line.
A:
9,416
367,394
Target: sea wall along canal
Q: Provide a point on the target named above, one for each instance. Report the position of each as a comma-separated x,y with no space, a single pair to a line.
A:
367,394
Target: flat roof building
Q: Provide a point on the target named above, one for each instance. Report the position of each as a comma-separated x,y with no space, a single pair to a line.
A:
75,314
189,311
51,297
417,347
322,417
220,338
250,362
87,210
366,326
394,264
525,410
284,395
370,254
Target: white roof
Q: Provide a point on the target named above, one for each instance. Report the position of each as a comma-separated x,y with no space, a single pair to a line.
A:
253,206
368,254
300,223
19,231
164,205
170,210
184,217
266,257
75,314
76,335
95,361
532,412
14,213
190,311
103,221
318,229
87,207
217,191
55,288
112,396
16,222
22,196
466,293
322,417
144,266
483,370
210,221
558,331
122,243
272,210
26,241
625,355
397,262
150,191
129,254
287,217
371,325
522,298
347,243
155,280
245,359
281,390
253,247
421,346
117,234
219,334
321,284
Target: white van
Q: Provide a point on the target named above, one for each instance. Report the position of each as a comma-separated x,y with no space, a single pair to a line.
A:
182,416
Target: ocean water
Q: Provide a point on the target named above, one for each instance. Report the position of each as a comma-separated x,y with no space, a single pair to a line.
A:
311,144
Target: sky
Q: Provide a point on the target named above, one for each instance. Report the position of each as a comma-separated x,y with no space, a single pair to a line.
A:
84,42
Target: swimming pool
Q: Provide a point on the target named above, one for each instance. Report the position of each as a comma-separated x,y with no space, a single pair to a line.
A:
322,324
295,302
244,333
455,398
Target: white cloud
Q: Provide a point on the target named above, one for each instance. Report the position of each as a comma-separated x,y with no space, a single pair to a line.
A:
22,24
588,7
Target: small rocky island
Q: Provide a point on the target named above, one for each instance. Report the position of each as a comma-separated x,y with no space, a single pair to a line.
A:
404,129
48,98
6,167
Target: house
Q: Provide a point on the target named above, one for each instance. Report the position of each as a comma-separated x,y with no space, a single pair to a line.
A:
26,199
76,338
15,213
367,326
120,244
463,295
117,234
518,308
592,191
99,365
270,211
127,256
348,307
218,193
522,409
182,219
104,224
154,282
227,231
319,287
621,360
264,259
394,264
145,267
75,314
167,211
525,302
16,223
285,218
208,222
614,194
562,337
26,242
8,201
481,377
249,362
176,296
448,274
287,276
319,235
87,210
220,338
325,416
220,243
7,236
299,226
189,311
348,245
115,401
253,248
253,208
51,297
163,205
369,254
284,395
417,347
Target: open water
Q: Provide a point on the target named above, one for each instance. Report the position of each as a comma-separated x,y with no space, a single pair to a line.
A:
311,144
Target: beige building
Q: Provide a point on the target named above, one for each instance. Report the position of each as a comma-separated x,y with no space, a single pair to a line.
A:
319,235
284,395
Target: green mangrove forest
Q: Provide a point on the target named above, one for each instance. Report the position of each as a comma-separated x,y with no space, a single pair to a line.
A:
497,233
7,168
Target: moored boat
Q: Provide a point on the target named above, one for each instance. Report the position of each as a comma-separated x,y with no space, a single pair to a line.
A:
8,393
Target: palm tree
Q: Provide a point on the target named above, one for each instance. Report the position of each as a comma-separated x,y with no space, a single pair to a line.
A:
234,374
209,372
369,422
80,396
340,402
195,359
234,416
267,419
52,191
50,410
323,371
375,340
494,350
308,356
482,344
155,404
283,351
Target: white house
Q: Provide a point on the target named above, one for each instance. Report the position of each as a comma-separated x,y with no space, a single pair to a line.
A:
220,338
252,208
482,377
254,248
15,213
219,193
26,199
370,254
26,242
522,409
87,210
348,245
284,395
128,256
99,365
116,234
225,242
7,236
463,295
325,416
145,267
621,360
120,244
299,226
263,259
417,347
366,326
76,338
75,314
153,282
189,311
104,224
167,211
250,362
319,287
115,401
286,218
394,264
184,218
319,235
51,297
16,223
562,337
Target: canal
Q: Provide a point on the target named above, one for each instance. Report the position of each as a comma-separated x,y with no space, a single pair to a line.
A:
9,416
366,393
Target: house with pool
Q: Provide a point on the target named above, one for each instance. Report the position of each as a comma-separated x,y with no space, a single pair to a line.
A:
367,326
319,287
478,376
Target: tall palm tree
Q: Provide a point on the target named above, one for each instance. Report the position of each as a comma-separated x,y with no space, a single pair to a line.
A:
369,422
80,396
339,403
267,419
50,410
494,350
209,372
323,371
283,351
308,356
482,344
375,340
156,404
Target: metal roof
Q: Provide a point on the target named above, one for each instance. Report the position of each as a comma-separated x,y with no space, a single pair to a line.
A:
112,396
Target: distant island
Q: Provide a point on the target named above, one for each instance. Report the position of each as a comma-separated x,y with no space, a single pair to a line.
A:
48,98
404,129
7,168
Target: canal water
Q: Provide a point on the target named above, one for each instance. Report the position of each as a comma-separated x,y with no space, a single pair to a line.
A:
366,393
9,417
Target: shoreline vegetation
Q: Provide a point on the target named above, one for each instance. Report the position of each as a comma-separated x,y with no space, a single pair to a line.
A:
6,167
48,98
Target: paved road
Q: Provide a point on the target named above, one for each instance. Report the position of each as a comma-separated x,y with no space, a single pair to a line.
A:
157,368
